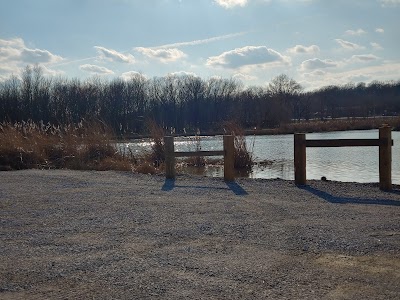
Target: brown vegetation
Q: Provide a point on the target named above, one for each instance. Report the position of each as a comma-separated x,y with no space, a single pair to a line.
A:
82,147
91,145
243,156
157,154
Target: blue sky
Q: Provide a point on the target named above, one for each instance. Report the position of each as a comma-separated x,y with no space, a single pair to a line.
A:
316,42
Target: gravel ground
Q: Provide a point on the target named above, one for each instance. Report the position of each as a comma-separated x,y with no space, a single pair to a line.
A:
117,235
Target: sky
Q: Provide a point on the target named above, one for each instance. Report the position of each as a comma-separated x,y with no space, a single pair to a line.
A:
315,42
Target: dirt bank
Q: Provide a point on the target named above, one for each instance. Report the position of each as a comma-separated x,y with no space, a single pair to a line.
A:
116,235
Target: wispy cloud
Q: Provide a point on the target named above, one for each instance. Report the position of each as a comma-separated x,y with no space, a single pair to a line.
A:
200,42
389,3
386,71
316,63
248,56
94,69
379,30
364,58
376,46
300,49
183,74
67,62
16,50
231,3
348,45
12,43
244,77
355,32
132,74
114,55
163,55
14,55
36,56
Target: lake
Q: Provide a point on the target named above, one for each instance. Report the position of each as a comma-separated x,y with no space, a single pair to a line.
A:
349,164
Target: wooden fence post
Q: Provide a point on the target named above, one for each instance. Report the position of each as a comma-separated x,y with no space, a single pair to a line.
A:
385,158
169,157
300,158
229,158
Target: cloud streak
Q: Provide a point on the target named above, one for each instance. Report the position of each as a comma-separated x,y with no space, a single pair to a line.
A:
300,49
357,32
200,42
163,55
348,45
94,69
231,3
389,3
376,46
316,63
114,55
364,58
248,56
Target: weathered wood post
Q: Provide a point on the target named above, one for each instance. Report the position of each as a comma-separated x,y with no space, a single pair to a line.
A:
229,158
300,158
385,158
169,157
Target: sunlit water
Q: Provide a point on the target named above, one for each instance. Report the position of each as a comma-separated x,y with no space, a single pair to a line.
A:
351,164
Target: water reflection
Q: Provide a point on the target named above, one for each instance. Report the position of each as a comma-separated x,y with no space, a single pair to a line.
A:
358,164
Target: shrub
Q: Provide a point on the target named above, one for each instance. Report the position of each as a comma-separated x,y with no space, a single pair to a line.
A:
87,145
157,155
243,157
145,168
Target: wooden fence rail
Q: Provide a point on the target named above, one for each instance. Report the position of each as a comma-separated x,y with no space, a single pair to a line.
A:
228,153
384,143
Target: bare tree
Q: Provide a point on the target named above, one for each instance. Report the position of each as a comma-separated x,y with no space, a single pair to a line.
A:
286,92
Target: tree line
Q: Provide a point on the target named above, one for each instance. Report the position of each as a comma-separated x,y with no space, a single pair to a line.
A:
185,102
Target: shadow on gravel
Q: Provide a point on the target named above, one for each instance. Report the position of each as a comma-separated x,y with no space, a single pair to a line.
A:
237,189
396,192
169,185
343,200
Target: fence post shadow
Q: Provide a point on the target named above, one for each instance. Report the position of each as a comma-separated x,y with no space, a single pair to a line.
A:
236,188
168,185
347,200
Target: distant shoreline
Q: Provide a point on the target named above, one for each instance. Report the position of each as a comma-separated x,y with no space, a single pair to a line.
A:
312,126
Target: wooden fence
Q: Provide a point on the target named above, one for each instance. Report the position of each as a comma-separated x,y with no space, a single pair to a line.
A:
384,143
227,152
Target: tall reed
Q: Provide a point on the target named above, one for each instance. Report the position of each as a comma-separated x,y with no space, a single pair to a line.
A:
243,156
157,155
86,145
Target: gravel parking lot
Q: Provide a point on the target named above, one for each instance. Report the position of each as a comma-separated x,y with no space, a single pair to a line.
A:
118,235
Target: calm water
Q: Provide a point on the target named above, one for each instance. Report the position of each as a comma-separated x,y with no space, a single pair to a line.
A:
353,164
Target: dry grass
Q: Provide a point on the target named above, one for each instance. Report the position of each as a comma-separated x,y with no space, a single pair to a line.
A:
243,156
146,168
157,154
85,146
